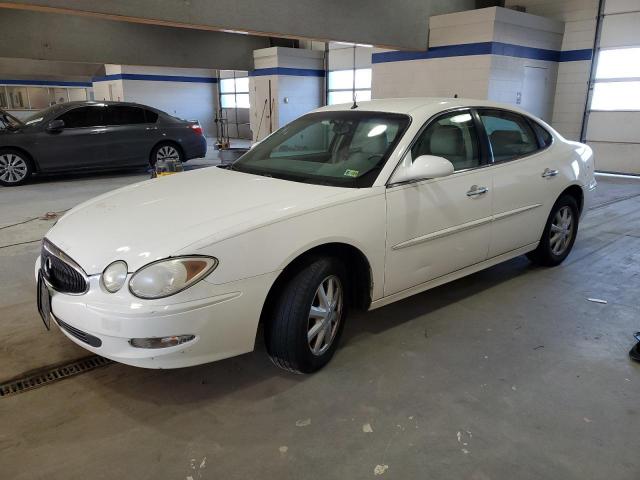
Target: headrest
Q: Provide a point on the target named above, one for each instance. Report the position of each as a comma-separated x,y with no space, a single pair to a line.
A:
505,137
446,140
376,145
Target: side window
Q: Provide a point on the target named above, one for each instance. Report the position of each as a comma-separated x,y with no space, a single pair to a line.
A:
123,115
151,117
83,117
509,134
452,136
543,134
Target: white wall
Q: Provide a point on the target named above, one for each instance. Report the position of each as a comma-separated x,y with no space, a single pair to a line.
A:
489,76
291,95
570,98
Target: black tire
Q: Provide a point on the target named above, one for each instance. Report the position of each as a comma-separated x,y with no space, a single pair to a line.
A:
287,332
161,147
549,252
15,167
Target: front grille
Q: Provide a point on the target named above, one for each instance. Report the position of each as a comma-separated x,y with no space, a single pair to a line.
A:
60,271
79,334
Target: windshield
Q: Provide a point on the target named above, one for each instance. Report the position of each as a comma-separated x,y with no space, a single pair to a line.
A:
8,121
42,114
342,149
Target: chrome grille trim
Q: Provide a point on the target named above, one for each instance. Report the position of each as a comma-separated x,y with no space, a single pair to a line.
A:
49,249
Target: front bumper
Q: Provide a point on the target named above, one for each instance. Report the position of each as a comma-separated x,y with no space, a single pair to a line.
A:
223,319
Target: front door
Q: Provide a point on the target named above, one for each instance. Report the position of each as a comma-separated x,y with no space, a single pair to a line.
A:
81,144
438,226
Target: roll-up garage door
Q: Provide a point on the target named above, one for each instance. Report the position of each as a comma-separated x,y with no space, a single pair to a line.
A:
613,118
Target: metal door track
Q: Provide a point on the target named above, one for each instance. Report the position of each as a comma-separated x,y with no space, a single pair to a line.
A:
48,375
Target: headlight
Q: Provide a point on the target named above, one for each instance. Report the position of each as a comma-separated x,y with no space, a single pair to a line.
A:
114,276
170,276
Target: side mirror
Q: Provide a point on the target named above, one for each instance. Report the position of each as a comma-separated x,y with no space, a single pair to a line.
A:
423,167
55,126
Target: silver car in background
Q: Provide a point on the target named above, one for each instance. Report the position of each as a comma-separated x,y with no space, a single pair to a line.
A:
82,136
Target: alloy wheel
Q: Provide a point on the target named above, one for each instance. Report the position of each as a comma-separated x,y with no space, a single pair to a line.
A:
167,152
561,231
13,168
325,315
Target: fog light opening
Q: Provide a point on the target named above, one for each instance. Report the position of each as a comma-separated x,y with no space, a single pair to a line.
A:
161,342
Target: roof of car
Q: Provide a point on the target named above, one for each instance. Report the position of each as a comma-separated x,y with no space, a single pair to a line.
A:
103,102
419,104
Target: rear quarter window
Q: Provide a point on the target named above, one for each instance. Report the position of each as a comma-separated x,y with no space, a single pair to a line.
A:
545,137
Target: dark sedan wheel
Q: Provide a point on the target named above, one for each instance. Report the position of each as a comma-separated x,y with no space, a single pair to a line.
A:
303,334
15,168
166,151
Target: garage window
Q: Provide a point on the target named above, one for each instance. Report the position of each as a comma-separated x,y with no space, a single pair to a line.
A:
344,85
617,84
234,92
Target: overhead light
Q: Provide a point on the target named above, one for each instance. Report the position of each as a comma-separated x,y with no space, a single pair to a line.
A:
463,118
377,130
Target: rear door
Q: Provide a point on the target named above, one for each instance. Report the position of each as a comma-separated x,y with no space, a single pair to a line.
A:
81,144
521,193
131,133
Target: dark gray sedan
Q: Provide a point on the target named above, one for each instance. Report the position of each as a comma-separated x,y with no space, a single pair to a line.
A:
81,136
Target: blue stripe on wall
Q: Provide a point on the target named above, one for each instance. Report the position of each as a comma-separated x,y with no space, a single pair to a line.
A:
48,83
298,72
155,78
484,48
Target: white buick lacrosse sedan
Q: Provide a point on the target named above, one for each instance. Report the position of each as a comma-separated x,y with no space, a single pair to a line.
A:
348,207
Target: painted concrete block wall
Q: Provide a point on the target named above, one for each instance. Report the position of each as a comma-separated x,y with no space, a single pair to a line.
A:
570,99
439,77
285,84
465,71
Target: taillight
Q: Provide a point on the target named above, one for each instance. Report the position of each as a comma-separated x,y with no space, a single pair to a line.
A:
197,129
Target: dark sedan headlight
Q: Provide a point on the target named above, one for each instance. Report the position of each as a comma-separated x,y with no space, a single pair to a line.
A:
170,276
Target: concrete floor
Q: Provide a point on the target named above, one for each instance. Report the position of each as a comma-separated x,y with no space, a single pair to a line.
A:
509,373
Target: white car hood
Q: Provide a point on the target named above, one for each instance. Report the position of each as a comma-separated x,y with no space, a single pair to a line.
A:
157,218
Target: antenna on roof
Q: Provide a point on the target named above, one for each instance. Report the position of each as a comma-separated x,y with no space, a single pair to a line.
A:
355,105
455,95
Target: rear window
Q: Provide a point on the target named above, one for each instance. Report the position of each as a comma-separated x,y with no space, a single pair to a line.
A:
125,115
152,117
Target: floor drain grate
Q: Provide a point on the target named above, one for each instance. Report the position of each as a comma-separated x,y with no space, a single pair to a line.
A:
45,376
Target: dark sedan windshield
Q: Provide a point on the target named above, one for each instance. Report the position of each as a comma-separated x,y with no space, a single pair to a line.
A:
42,114
342,148
9,121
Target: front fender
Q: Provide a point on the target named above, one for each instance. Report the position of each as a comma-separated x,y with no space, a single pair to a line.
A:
360,223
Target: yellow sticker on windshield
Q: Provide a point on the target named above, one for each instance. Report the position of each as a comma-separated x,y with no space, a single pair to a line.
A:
351,173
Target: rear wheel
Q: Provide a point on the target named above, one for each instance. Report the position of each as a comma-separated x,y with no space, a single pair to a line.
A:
15,167
559,233
166,151
308,319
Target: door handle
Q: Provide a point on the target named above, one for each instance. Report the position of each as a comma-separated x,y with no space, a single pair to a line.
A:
548,172
475,191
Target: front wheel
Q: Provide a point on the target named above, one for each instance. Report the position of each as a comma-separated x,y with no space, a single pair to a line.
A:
15,168
559,233
308,319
